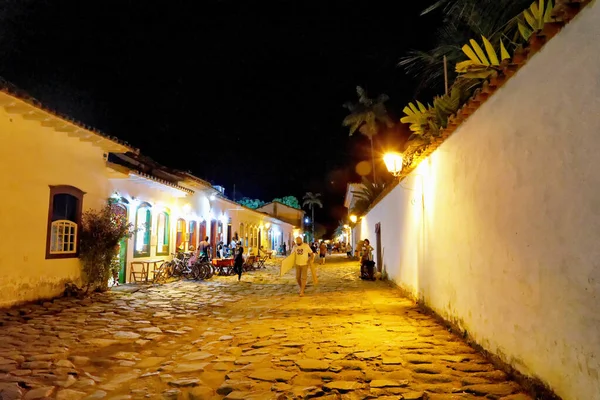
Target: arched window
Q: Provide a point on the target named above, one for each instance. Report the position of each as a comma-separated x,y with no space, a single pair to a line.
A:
162,233
181,237
143,226
64,221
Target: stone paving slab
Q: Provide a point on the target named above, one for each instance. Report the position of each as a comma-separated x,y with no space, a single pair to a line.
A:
254,339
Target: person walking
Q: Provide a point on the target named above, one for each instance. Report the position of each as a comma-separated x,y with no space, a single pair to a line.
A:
238,266
304,257
322,252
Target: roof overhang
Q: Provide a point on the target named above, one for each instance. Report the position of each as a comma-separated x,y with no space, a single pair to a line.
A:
350,189
32,110
159,184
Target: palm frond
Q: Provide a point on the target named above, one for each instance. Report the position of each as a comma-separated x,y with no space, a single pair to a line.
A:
463,19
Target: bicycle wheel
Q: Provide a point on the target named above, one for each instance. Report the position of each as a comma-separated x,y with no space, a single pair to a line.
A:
160,276
210,270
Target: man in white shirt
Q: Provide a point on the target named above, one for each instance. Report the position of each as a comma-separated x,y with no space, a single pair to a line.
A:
304,256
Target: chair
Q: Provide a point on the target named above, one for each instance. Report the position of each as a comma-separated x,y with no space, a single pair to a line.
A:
138,276
249,263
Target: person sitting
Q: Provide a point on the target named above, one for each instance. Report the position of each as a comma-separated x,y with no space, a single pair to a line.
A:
367,265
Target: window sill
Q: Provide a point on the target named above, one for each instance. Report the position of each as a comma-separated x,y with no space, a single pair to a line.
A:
61,256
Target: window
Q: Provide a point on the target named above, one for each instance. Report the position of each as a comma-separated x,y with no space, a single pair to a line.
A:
180,239
143,225
64,221
162,226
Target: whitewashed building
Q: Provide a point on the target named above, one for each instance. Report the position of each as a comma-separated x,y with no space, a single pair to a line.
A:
52,169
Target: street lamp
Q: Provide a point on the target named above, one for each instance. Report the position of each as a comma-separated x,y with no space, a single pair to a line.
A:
393,163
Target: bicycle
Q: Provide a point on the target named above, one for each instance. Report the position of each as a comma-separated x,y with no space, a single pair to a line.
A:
181,268
164,272
204,267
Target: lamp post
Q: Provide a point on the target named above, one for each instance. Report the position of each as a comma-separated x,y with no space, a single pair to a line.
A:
393,163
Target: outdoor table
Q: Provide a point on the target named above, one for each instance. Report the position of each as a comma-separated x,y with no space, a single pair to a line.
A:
145,270
223,265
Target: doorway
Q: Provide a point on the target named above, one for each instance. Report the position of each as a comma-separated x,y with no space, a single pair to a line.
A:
120,210
213,237
202,230
378,246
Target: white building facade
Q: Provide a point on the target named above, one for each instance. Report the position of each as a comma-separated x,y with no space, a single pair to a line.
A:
53,169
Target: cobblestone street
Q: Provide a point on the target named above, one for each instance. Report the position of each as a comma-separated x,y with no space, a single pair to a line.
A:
255,339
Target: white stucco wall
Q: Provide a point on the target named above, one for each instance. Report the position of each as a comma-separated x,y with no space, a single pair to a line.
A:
33,157
505,242
161,198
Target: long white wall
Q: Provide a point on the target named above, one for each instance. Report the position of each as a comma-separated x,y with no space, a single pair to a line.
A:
499,229
32,158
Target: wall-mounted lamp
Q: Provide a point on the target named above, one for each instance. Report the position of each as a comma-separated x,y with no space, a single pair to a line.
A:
393,163
353,219
268,225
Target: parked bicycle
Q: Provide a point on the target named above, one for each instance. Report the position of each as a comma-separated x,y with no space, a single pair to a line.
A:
181,267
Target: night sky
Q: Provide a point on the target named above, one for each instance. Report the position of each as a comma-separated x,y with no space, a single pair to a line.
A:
239,92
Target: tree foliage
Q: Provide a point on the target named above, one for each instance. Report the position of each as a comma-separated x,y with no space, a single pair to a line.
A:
368,194
101,232
368,115
290,201
312,200
251,203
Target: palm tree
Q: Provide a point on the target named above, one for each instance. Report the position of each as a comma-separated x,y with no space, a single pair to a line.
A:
367,116
311,200
341,228
367,195
463,20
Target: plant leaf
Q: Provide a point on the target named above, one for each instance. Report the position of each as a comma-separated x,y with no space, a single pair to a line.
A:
471,54
504,54
525,31
491,52
463,66
548,13
479,52
530,19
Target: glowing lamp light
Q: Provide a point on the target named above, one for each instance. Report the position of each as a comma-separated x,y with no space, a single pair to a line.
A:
306,220
353,219
268,225
212,197
187,208
393,163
